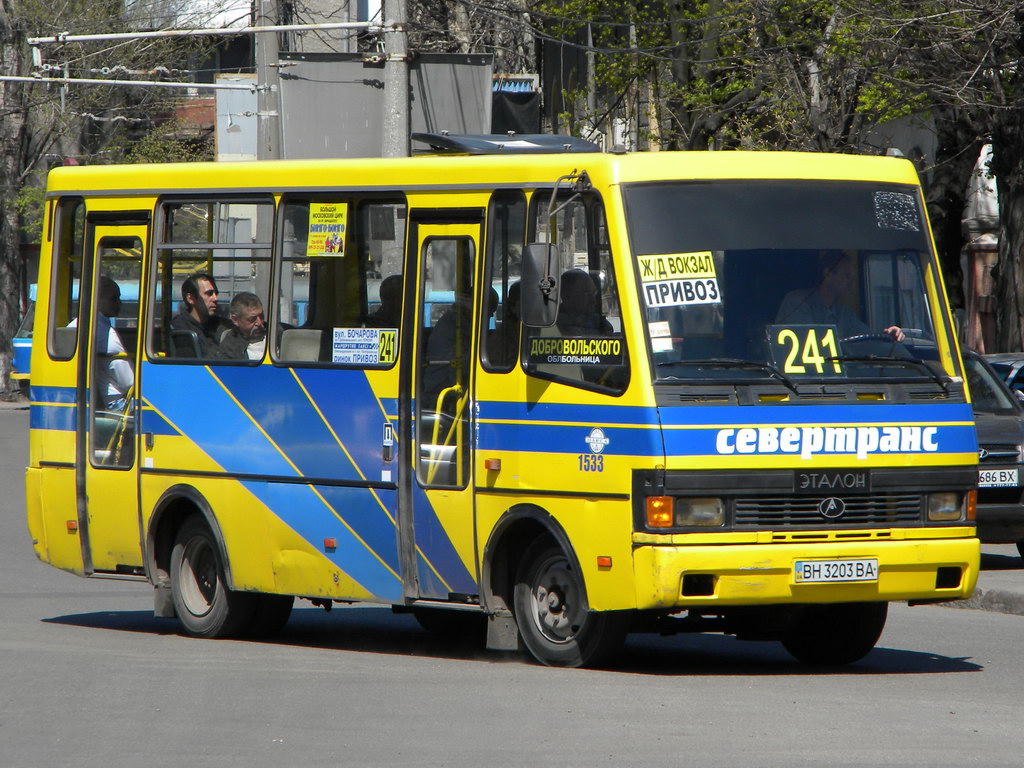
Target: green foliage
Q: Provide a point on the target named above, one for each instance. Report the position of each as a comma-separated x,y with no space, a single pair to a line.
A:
171,142
29,204
788,74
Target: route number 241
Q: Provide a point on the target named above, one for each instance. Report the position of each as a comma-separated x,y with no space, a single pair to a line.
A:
807,349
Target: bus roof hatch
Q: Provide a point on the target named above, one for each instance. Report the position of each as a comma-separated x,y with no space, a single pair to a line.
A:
498,144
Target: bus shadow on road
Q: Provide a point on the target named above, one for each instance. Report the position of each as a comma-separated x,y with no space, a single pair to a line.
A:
377,630
356,629
726,656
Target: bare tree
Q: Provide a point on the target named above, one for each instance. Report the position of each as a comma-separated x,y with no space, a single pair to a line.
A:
98,124
13,112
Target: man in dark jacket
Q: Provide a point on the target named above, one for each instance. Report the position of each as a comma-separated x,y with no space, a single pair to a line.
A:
198,313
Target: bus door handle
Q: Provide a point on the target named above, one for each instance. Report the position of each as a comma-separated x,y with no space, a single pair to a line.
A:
149,440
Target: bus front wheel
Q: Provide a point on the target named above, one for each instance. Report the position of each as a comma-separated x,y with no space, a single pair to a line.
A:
832,635
202,600
550,609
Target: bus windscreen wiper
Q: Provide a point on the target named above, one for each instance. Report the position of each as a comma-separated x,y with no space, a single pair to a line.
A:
736,362
906,362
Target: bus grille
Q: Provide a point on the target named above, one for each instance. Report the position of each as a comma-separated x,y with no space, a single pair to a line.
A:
802,511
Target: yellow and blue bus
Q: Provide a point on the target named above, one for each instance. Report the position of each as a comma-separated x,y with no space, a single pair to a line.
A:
525,389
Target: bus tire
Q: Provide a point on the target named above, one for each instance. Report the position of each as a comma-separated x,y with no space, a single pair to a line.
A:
202,600
833,635
550,609
270,614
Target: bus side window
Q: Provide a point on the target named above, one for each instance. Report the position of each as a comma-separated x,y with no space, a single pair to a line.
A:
68,246
205,244
506,238
586,346
340,282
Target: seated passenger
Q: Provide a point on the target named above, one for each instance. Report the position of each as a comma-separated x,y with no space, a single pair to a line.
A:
503,341
248,338
579,310
114,375
198,313
389,313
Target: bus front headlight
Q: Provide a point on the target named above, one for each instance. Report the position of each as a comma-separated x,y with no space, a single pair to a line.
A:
699,512
944,507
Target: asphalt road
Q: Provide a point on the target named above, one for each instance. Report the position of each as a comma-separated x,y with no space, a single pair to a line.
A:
89,678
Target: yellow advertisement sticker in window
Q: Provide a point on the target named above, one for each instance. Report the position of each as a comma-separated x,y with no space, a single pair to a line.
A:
678,279
327,223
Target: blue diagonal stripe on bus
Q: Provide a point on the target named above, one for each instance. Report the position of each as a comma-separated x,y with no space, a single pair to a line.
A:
274,399
363,513
155,423
350,406
299,506
433,540
204,412
197,404
430,585
340,406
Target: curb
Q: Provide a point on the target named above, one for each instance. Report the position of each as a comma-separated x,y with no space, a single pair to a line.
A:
995,600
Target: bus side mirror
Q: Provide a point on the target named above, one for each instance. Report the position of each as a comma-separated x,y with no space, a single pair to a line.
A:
539,297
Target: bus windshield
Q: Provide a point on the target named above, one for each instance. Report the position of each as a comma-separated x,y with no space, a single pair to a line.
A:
795,281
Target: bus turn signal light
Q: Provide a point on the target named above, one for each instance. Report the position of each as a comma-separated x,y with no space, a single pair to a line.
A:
659,511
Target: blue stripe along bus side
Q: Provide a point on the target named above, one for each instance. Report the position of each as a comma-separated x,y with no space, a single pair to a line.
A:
694,431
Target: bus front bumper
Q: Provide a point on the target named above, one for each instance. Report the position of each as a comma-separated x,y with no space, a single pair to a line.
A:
765,574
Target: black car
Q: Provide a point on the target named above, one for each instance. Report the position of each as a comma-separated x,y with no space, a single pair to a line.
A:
1010,368
999,416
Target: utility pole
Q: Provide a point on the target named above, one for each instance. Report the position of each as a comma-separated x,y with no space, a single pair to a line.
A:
268,107
396,80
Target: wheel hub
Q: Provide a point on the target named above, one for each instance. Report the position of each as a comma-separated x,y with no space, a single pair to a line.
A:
199,586
556,603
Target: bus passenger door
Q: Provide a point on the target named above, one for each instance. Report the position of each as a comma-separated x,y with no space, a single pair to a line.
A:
106,455
436,511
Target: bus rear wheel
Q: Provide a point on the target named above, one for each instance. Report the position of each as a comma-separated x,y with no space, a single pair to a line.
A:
202,600
550,610
833,635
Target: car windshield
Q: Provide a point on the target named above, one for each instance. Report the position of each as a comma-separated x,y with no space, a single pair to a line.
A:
789,280
988,393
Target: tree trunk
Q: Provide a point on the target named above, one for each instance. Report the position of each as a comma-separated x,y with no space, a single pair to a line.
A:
1008,274
12,149
1008,166
959,144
